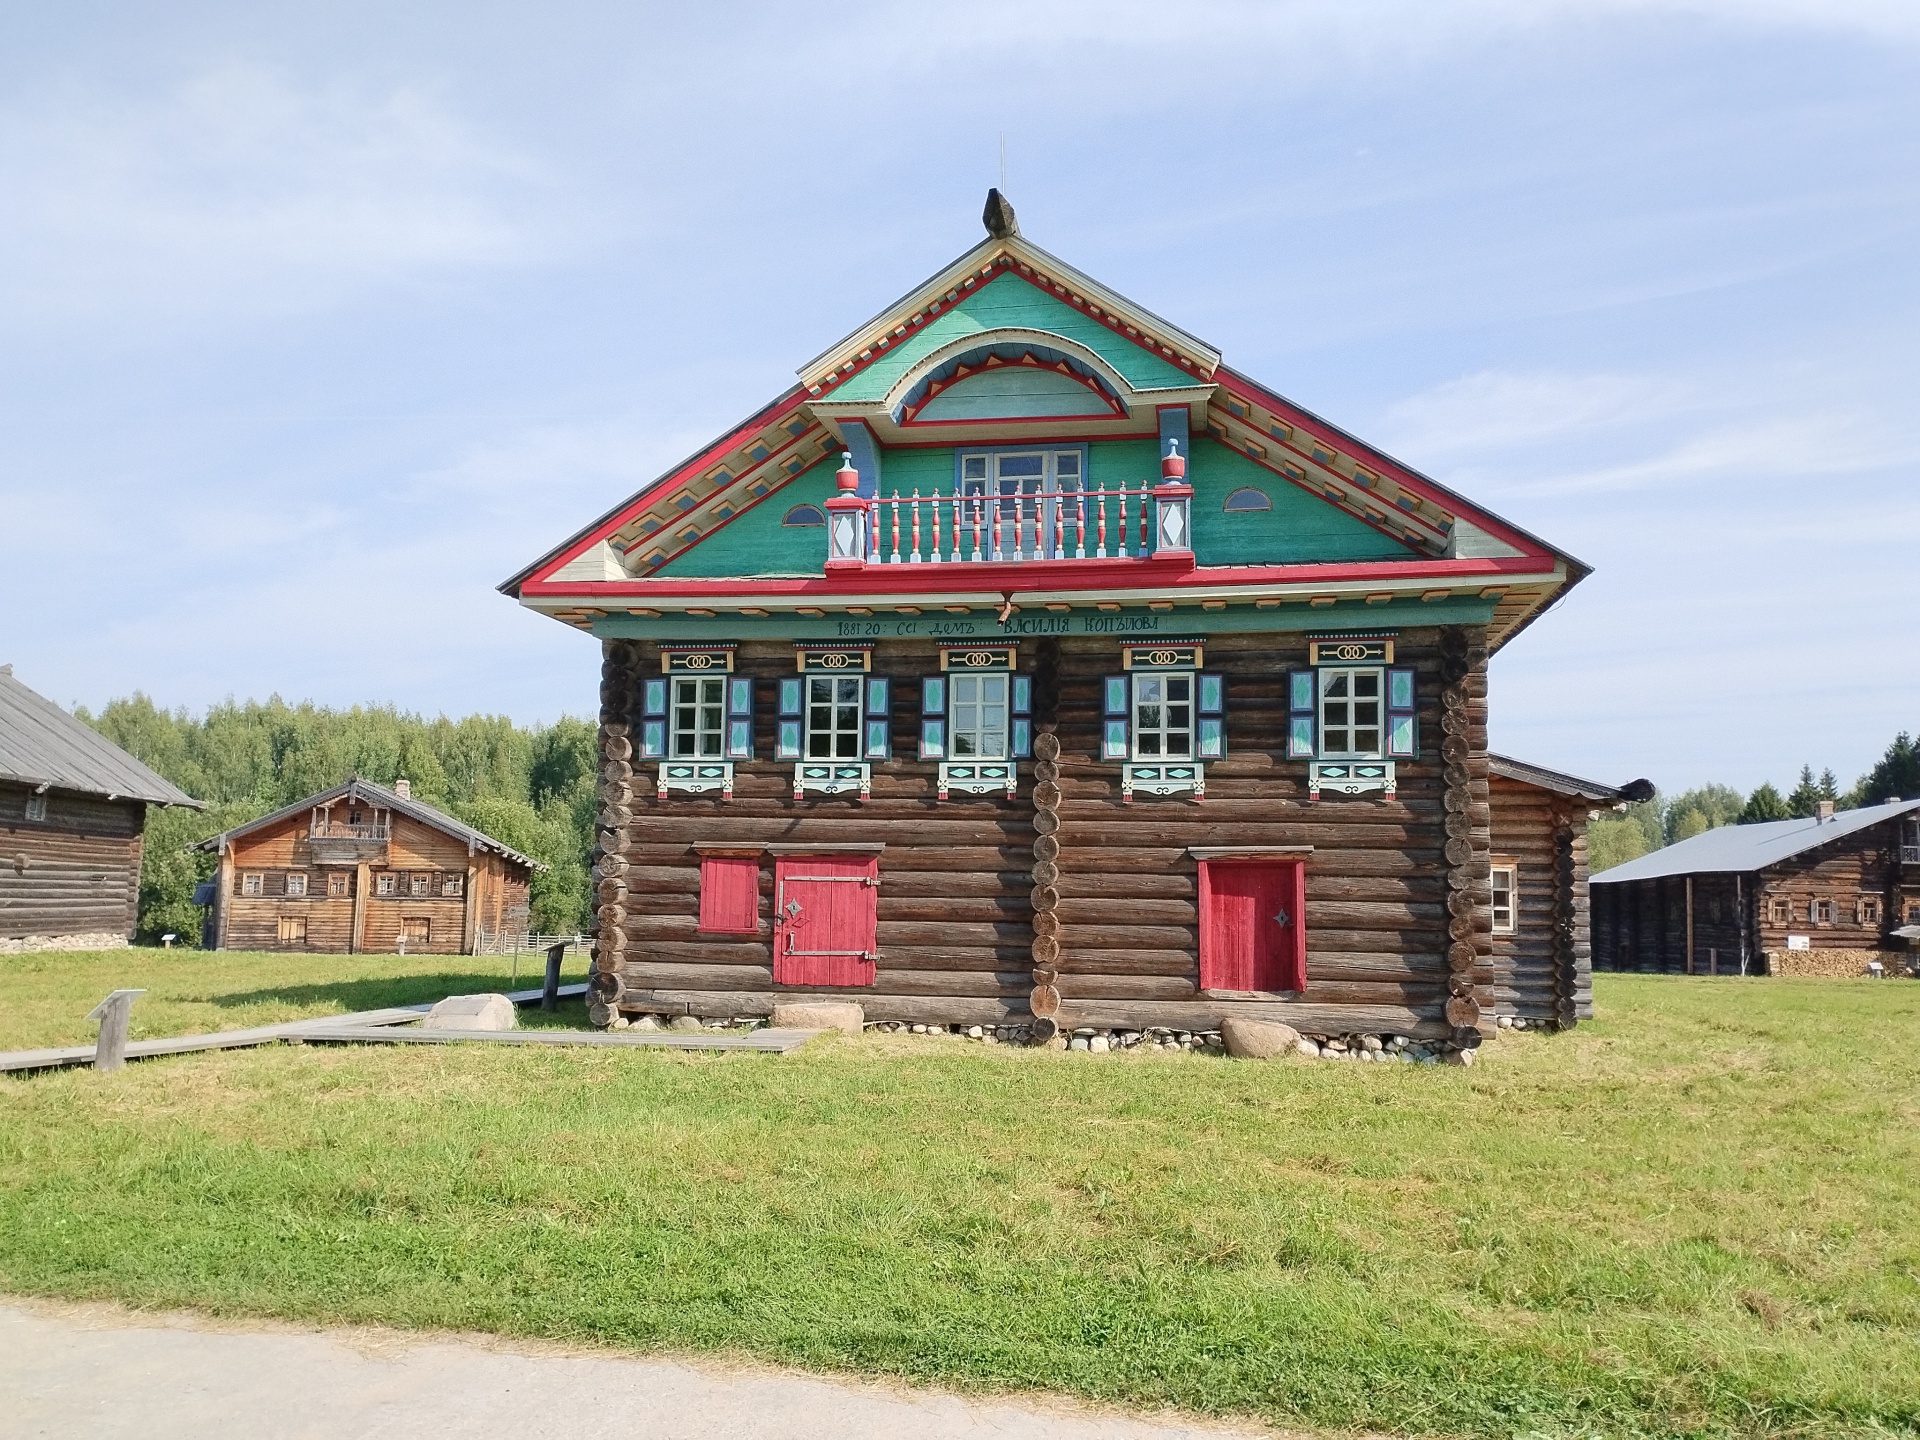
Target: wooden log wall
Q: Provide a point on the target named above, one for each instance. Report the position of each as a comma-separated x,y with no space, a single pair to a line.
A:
75,873
1543,970
1066,899
620,663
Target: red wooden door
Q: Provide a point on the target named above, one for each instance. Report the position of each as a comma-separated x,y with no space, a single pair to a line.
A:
824,919
1253,925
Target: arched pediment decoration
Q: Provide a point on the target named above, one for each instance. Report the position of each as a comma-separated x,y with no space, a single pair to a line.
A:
1009,375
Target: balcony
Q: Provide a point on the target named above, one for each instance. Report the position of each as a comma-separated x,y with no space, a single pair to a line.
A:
333,842
1122,523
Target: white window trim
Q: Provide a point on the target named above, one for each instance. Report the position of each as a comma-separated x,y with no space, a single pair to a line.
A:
252,886
386,886
807,730
1192,726
1512,872
296,877
980,757
1325,672
1031,515
699,732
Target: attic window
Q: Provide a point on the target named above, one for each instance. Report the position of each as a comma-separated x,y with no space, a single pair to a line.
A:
36,807
804,515
1247,497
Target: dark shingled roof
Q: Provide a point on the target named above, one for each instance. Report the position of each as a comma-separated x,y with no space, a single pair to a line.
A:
41,744
1509,768
369,793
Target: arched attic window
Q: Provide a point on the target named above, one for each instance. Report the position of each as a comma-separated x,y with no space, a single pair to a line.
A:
1247,497
804,515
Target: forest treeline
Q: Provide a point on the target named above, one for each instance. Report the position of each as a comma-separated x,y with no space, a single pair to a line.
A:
1648,826
530,787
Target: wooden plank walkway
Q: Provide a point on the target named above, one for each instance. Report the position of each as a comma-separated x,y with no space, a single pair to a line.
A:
53,1059
777,1041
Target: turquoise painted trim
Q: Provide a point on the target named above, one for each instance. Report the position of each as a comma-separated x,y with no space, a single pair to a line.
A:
754,542
1299,529
1008,302
1117,625
1017,392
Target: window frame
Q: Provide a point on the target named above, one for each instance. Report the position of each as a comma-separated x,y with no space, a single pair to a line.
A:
819,517
1779,910
339,884
955,679
1866,910
1136,730
35,810
1324,674
288,923
386,886
453,885
1815,909
1028,510
1511,870
253,885
703,710
1227,507
295,885
858,705
419,887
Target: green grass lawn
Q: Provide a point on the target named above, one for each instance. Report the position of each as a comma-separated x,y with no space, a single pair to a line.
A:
1698,1215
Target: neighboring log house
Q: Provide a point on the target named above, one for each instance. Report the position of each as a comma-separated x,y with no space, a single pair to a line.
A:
1832,895
1025,664
73,812
363,868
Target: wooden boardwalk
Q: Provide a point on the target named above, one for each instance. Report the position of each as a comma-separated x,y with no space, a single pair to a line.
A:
378,1026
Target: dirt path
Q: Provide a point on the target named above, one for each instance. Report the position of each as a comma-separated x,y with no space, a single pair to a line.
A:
106,1373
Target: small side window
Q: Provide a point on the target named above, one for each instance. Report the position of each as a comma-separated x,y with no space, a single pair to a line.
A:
36,807
421,885
336,884
253,884
1868,910
1504,899
1779,911
296,882
453,884
804,515
385,885
1247,497
1821,912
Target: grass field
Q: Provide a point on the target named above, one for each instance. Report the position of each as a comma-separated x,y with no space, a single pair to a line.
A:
1698,1215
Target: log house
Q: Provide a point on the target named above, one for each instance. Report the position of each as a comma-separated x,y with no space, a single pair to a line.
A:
73,816
1025,664
358,868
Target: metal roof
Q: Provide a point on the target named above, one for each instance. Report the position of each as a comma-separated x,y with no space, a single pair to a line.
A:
41,744
1742,849
369,793
1509,768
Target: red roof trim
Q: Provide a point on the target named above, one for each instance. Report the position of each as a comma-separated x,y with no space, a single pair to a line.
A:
1004,576
1335,438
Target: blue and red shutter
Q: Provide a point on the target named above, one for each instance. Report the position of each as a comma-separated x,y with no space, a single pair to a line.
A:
933,717
653,718
740,717
1114,717
791,733
1403,727
1302,693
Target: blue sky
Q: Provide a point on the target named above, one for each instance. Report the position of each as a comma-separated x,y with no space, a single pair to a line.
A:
315,326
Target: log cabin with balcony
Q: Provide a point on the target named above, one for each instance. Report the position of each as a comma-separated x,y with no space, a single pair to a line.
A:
1026,665
360,867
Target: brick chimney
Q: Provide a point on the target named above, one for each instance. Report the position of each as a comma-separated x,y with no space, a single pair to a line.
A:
1822,810
403,787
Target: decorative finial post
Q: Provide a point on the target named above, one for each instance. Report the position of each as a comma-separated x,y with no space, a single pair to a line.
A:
1173,508
846,519
998,216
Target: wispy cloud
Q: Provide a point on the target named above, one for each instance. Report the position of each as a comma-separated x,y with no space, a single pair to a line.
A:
1810,446
242,191
1498,410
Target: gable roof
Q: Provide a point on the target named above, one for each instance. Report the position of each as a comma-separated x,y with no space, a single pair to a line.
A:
368,793
1508,768
41,744
1743,849
860,384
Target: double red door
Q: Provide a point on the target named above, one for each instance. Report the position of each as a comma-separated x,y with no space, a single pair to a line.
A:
824,927
1253,925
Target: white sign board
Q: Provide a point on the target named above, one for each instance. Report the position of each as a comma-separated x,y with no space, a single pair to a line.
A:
1799,942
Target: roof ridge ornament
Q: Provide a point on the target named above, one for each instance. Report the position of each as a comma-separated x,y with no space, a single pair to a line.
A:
998,216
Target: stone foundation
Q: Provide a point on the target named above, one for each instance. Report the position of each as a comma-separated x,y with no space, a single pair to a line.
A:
98,941
1836,964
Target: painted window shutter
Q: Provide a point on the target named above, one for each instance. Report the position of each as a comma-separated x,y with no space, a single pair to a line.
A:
729,894
791,737
1302,691
653,718
933,717
1114,717
740,717
1402,723
879,727
1020,713
1211,731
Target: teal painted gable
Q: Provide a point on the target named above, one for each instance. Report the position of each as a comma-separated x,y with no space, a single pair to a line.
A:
1007,301
756,542
1298,529
1012,393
